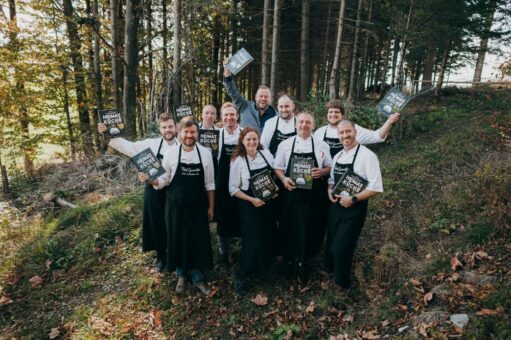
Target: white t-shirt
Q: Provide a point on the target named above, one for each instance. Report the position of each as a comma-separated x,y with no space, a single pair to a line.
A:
229,139
239,175
285,127
364,136
321,150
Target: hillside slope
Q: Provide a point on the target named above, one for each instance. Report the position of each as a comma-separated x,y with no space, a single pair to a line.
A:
436,244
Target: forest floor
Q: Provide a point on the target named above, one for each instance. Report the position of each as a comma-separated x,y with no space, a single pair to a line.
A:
433,261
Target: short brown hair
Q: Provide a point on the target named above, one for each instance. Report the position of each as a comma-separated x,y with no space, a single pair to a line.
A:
166,116
228,104
240,150
335,104
187,122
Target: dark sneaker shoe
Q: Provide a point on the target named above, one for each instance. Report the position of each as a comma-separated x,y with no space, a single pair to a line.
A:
203,287
160,265
181,284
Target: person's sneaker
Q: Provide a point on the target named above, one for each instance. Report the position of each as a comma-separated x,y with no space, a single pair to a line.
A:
203,287
180,286
160,265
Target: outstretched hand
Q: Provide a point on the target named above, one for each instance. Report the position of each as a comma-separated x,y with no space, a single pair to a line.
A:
227,72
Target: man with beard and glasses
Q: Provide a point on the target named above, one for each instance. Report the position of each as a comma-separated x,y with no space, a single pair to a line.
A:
190,196
154,235
253,113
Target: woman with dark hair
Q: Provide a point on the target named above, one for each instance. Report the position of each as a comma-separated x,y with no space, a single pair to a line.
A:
250,162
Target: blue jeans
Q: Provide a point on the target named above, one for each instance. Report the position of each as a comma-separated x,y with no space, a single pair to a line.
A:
196,275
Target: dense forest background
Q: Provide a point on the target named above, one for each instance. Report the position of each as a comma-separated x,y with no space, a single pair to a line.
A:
62,61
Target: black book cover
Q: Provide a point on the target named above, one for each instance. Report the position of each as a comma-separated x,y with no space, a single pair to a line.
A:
181,111
209,138
263,186
300,173
147,162
394,101
350,184
239,60
114,122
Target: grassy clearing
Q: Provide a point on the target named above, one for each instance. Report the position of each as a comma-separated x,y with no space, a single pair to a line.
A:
447,192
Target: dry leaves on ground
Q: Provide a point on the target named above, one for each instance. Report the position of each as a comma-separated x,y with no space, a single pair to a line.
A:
260,300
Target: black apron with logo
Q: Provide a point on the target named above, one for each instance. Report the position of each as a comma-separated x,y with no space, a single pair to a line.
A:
279,137
256,228
344,228
227,216
154,234
334,144
301,226
188,226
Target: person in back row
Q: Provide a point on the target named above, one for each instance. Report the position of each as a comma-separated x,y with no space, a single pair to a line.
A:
280,127
154,235
253,113
335,113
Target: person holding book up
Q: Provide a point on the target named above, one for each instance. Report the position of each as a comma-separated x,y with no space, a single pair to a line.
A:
349,199
335,113
253,113
301,163
190,196
280,127
252,182
227,216
154,235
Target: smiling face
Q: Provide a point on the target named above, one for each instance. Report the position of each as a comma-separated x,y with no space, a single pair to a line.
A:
347,134
334,116
251,142
208,115
230,117
189,135
304,125
168,130
285,107
263,99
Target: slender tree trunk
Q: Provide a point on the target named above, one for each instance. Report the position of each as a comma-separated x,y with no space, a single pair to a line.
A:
216,60
176,60
234,26
400,71
384,71
483,46
264,48
429,65
395,52
130,66
79,76
304,51
165,56
443,66
324,63
5,178
363,66
72,141
116,51
150,67
335,66
354,57
274,50
97,62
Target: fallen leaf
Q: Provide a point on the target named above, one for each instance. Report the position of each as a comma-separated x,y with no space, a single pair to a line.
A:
310,307
371,335
487,312
36,281
48,263
385,323
428,256
324,285
55,332
4,300
157,318
428,297
348,318
127,328
260,300
455,277
303,290
415,282
388,203
456,263
419,289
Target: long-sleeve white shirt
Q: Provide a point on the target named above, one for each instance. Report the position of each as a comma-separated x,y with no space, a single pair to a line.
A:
239,175
130,149
366,165
321,150
171,160
364,136
285,126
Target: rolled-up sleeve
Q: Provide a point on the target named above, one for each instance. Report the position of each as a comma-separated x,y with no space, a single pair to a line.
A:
209,172
235,183
366,136
280,157
372,169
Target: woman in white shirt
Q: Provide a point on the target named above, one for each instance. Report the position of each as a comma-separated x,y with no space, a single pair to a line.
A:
256,216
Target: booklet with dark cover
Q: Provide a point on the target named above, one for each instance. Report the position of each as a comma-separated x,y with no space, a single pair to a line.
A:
263,186
239,60
394,101
114,122
301,172
350,184
181,111
147,162
209,139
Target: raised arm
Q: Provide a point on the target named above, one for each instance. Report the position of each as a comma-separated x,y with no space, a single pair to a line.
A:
230,87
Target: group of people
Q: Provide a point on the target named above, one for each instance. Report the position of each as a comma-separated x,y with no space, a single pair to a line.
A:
201,185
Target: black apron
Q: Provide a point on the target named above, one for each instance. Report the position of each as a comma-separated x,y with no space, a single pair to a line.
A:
227,216
279,137
334,144
301,226
344,228
154,234
256,228
188,226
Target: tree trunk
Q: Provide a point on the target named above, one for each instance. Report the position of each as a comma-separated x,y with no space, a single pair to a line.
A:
130,67
116,48
324,64
304,51
264,47
5,178
403,50
395,52
176,60
443,66
274,46
150,67
165,56
72,141
483,46
79,76
97,62
363,69
335,66
429,65
216,60
351,90
384,71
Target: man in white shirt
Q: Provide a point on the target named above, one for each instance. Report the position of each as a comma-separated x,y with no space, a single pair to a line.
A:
154,235
348,212
190,197
335,113
281,127
301,222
